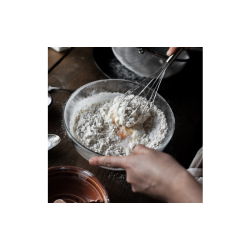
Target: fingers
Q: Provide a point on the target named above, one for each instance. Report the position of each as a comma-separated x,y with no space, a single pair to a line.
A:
172,50
139,149
109,161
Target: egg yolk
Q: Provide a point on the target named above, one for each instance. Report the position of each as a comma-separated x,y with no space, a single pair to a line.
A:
123,131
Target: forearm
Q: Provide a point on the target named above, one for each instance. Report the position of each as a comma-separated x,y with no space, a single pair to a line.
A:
174,183
184,189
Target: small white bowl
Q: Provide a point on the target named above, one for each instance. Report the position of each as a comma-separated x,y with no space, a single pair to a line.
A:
50,100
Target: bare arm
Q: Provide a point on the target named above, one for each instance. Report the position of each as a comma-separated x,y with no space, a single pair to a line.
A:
155,174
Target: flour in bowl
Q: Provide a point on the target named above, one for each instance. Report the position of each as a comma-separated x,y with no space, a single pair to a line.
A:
130,111
107,130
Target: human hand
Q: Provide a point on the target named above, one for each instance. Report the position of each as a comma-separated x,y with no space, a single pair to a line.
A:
172,50
155,174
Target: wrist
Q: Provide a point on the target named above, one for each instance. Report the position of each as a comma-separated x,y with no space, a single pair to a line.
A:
173,182
185,189
172,175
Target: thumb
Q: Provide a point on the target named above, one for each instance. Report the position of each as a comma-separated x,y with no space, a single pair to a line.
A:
172,50
109,161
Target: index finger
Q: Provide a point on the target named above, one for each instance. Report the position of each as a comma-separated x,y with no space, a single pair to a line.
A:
109,161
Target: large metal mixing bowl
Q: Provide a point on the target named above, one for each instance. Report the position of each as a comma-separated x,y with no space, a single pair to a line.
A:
113,86
146,64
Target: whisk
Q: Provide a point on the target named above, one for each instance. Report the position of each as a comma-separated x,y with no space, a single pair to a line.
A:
152,83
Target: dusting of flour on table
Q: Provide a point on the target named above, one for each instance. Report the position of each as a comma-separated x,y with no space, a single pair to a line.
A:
108,131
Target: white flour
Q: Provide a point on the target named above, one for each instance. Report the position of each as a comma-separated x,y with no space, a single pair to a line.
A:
130,113
99,127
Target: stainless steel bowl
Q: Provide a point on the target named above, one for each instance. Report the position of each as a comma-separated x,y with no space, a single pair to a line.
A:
146,64
112,86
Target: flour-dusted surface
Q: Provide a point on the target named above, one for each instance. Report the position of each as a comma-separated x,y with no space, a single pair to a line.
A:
102,129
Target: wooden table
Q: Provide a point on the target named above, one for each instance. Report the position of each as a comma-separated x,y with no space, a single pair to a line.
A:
73,68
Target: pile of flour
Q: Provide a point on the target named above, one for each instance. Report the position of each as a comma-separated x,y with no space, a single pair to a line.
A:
130,111
108,131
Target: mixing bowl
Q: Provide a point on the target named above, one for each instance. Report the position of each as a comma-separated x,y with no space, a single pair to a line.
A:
73,106
69,184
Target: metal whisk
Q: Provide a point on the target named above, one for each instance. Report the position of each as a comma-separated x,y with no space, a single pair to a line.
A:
152,83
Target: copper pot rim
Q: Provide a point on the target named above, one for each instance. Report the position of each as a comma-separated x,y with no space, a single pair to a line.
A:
90,177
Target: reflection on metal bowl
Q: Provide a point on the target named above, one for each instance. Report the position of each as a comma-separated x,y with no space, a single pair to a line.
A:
146,64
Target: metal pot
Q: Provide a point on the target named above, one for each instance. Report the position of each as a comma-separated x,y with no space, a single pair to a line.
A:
146,64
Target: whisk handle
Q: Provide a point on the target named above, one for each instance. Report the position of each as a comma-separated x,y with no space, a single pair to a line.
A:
174,56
